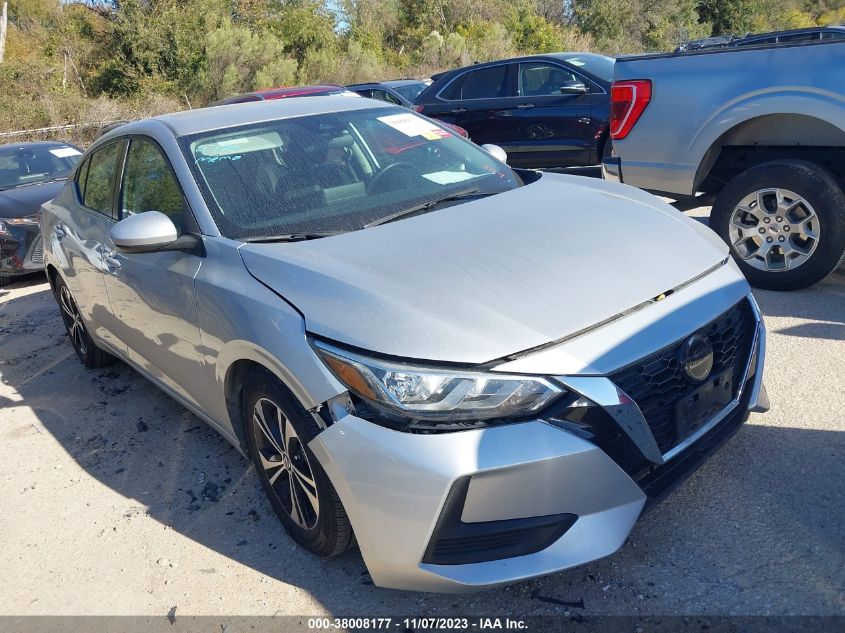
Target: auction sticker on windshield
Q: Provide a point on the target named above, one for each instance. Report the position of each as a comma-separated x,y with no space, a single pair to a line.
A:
64,152
412,125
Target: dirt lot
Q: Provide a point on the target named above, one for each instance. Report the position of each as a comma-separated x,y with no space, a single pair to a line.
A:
118,501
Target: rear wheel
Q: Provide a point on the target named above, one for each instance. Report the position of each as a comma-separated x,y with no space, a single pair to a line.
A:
87,352
5,280
278,429
784,222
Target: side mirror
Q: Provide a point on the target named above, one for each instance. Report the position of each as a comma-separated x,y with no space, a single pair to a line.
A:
496,152
574,88
143,233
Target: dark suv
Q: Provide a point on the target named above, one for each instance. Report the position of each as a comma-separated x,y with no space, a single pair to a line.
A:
544,110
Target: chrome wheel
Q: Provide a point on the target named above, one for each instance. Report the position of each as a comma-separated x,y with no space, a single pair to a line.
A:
774,230
285,463
73,320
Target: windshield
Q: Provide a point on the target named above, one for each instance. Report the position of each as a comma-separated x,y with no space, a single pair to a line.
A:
30,164
598,65
337,172
411,91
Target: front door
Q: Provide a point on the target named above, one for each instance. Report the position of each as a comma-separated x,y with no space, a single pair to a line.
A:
552,127
152,294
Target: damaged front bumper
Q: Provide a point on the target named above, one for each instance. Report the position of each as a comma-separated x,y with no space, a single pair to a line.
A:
21,248
394,486
465,511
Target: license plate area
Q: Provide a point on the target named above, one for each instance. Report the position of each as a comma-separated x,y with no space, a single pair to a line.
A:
694,410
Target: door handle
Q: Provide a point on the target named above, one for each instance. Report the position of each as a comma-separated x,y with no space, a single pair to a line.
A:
111,262
59,231
458,110
584,120
109,259
525,106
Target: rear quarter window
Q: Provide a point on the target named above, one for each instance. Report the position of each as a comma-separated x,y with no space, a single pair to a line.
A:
484,83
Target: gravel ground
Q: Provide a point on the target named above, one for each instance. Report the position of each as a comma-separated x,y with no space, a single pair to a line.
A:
116,500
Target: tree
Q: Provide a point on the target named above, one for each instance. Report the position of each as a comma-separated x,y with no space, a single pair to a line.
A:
240,60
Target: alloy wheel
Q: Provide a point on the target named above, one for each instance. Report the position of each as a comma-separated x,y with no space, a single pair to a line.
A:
774,230
285,463
73,320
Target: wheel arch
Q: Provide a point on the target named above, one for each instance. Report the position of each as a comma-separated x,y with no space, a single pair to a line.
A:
52,273
241,360
764,132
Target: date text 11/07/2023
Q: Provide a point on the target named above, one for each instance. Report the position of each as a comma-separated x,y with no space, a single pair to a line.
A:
418,624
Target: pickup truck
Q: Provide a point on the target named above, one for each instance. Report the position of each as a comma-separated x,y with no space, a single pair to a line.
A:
762,129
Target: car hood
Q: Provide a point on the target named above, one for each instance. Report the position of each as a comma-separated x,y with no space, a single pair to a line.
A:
25,201
484,279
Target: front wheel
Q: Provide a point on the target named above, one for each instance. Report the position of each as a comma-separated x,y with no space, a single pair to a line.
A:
88,353
278,429
784,222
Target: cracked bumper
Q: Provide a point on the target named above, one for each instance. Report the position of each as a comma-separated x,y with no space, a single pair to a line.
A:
393,486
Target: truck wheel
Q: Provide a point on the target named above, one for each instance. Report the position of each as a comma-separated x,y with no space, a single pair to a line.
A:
784,222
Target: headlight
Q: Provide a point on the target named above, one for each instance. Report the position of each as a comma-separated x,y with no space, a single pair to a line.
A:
428,393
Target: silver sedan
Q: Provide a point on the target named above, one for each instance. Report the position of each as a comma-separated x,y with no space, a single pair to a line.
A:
483,374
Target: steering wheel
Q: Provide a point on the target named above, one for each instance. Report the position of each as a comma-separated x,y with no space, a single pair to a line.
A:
378,181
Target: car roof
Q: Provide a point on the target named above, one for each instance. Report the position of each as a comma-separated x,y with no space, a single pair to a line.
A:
224,116
36,144
402,82
389,83
812,30
295,91
563,56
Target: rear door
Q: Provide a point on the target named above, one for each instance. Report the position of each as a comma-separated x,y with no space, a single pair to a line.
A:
551,120
479,101
152,294
80,238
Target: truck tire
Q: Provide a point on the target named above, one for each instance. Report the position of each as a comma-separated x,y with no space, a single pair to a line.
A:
784,222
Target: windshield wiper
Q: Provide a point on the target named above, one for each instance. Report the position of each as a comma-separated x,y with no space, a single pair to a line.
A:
288,237
425,206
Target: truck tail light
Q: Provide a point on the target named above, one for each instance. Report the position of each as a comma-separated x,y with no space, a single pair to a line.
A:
628,100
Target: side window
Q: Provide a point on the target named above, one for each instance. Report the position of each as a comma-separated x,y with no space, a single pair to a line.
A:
81,175
149,183
485,83
542,80
382,95
99,184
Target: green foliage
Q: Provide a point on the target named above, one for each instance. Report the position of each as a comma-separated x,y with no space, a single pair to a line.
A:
304,26
98,60
239,60
532,32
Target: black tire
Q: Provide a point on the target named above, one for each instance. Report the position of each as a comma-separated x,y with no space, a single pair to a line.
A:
821,192
325,532
88,353
5,280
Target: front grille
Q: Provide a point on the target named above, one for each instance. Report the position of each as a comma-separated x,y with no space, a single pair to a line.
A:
658,382
37,256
